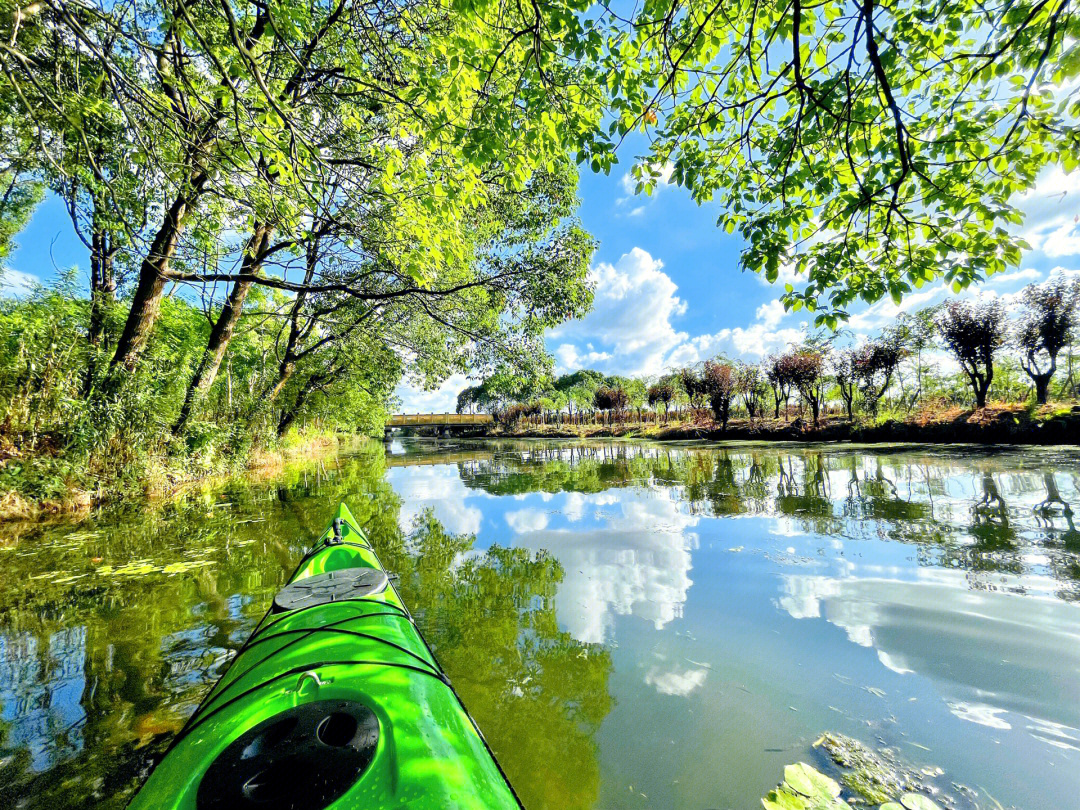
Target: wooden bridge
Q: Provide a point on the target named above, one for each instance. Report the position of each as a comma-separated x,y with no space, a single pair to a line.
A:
439,423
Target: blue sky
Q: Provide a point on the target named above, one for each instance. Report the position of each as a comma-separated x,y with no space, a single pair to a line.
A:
669,290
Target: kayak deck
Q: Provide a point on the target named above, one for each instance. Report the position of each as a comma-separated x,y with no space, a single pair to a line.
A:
335,701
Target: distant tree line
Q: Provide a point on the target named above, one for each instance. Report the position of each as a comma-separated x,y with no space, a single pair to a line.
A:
1027,357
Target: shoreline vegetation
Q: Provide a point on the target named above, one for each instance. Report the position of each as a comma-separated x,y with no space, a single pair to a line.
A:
168,479
165,479
963,371
998,423
284,212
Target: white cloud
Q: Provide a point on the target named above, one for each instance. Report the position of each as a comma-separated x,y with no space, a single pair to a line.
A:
15,283
750,342
527,520
439,488
637,565
569,358
1027,275
675,681
884,312
574,507
980,713
632,313
632,324
771,313
1052,209
908,623
443,399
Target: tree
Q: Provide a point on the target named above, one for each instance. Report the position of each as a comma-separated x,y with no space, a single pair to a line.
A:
875,363
867,147
720,383
579,387
662,393
19,196
636,393
1049,317
778,375
242,119
916,333
973,332
611,399
467,399
750,383
693,386
581,395
845,372
806,371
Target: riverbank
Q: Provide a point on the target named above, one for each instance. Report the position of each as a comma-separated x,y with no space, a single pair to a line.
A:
995,424
46,485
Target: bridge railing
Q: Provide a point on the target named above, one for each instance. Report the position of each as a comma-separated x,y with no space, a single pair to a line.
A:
452,419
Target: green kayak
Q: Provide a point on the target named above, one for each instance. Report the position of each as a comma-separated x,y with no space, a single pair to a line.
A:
334,702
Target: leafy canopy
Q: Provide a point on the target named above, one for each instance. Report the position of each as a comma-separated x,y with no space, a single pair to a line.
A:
865,148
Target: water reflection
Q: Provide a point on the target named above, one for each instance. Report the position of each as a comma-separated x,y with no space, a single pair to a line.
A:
112,633
637,564
632,625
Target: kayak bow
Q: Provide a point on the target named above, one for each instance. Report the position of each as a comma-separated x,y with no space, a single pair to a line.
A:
335,701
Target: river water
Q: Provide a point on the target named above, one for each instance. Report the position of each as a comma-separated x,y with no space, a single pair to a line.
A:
632,625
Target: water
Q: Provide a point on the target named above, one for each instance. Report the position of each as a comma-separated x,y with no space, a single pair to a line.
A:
633,625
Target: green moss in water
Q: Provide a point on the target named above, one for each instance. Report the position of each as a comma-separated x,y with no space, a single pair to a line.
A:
865,773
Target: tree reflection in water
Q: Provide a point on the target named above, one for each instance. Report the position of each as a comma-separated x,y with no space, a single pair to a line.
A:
99,670
112,630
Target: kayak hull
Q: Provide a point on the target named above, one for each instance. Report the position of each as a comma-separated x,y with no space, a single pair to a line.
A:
419,747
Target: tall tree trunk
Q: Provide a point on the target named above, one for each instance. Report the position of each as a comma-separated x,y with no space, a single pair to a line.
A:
289,415
1042,387
285,372
287,366
102,295
153,275
102,282
225,325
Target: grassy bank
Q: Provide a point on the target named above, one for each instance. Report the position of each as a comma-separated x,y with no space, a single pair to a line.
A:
50,484
995,424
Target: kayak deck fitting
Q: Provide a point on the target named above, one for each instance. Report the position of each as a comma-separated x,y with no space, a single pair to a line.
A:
335,701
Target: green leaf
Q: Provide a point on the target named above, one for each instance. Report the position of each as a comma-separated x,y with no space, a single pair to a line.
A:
782,800
916,801
810,782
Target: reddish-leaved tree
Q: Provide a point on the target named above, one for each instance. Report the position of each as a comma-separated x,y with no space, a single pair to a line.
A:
806,369
974,331
874,365
662,392
1050,314
719,382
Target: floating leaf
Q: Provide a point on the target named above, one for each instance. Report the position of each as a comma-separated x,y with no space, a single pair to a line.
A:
810,782
782,800
916,801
